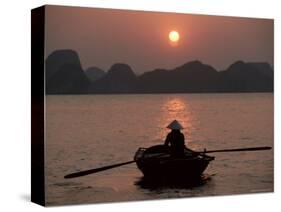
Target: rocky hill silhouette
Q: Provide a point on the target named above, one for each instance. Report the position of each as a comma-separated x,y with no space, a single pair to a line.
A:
246,77
58,58
64,75
94,73
119,79
190,77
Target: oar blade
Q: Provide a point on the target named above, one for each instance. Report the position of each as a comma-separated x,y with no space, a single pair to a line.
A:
79,174
92,171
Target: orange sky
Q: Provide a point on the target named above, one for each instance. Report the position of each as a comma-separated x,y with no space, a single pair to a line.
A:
103,37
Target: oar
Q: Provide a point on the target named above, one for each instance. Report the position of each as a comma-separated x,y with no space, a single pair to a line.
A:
92,171
238,150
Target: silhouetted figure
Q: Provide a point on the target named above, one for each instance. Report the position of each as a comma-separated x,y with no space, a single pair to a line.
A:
175,139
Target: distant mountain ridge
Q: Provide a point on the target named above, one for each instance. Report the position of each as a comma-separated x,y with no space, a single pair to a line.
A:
64,75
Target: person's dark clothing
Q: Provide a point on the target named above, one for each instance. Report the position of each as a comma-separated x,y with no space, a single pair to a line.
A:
175,140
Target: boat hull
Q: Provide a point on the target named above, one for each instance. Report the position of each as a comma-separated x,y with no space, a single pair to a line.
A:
156,162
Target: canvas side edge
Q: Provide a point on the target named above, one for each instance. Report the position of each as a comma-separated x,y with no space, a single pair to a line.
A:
37,106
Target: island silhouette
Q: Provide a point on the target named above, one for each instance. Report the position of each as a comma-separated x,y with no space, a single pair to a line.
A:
65,75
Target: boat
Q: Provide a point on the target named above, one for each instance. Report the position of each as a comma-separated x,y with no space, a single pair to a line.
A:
156,162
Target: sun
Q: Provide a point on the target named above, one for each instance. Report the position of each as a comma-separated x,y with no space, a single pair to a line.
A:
174,36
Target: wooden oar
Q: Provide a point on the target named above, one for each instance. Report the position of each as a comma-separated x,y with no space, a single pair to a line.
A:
238,150
92,171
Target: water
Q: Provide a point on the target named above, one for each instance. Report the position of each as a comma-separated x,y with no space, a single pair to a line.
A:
89,131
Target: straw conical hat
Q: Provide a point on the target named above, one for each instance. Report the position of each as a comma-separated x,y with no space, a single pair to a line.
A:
175,125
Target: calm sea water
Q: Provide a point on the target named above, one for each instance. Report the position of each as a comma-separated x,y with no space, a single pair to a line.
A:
89,131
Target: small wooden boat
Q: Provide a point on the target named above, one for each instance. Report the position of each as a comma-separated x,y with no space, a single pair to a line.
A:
156,162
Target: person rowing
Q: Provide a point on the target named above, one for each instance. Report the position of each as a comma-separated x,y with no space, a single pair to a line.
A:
175,140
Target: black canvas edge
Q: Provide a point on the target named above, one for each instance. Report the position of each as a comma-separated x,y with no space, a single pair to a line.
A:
37,106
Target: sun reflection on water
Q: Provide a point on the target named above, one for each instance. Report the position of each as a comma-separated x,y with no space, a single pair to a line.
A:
175,108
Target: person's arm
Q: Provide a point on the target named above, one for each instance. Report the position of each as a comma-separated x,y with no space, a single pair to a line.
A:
167,140
181,140
190,151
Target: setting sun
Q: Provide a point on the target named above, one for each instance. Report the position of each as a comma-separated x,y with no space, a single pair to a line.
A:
174,36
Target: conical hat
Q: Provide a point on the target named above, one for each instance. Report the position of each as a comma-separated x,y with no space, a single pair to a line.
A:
175,125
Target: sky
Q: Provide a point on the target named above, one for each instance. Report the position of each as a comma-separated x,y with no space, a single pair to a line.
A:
103,37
